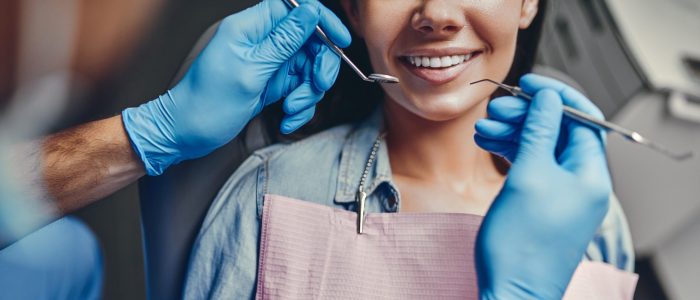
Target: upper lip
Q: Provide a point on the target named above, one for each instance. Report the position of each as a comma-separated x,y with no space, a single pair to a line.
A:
436,52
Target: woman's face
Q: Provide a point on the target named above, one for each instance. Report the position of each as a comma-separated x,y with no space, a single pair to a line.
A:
437,47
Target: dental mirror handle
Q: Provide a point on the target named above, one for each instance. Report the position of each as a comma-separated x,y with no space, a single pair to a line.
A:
321,34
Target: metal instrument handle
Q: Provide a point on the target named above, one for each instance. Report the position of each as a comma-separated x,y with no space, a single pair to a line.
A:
321,34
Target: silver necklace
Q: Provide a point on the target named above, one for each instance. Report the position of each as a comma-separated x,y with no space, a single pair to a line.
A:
361,195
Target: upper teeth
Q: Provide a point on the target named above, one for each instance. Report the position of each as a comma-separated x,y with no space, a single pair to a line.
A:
438,61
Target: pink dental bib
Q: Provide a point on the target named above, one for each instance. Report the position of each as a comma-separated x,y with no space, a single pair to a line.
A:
311,251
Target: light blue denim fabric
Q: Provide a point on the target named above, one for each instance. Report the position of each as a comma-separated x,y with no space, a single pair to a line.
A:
325,169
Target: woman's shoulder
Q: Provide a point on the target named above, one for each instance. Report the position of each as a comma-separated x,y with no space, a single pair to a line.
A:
297,154
304,169
316,159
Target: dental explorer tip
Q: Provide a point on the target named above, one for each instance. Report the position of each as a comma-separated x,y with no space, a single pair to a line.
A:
483,80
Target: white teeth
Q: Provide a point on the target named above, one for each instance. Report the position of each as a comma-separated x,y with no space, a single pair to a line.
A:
435,62
446,60
438,62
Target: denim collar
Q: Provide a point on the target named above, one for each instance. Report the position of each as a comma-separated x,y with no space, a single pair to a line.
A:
354,156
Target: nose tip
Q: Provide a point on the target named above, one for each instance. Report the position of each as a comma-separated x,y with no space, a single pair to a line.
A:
438,19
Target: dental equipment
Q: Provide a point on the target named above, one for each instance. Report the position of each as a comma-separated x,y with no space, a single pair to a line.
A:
587,119
378,78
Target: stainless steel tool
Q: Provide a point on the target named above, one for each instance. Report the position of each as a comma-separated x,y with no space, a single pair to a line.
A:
378,78
600,124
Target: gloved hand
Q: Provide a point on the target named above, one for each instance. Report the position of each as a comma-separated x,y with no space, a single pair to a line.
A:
555,196
255,58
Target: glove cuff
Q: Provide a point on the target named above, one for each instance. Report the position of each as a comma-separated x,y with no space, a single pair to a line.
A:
148,128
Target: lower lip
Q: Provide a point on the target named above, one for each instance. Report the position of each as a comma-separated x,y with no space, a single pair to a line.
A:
438,76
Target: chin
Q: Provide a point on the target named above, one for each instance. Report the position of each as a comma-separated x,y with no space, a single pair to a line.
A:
440,108
443,101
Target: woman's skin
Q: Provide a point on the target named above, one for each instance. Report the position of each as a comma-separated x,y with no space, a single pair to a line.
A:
430,115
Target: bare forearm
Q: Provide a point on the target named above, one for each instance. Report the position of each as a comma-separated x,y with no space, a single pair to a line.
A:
88,162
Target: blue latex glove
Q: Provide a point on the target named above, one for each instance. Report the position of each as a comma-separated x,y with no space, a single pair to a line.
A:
554,198
255,58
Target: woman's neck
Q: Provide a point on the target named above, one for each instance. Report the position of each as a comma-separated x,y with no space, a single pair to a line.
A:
441,152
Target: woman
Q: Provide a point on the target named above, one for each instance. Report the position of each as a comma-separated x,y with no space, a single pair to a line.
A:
435,48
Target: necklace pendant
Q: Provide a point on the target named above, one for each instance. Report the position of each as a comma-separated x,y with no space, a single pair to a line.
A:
360,198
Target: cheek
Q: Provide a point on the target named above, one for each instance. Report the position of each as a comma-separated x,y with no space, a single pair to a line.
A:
383,22
494,17
497,25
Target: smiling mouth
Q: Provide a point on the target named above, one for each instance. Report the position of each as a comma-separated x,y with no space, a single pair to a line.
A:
438,69
439,62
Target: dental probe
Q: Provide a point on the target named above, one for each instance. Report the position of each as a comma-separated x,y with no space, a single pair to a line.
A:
378,78
597,123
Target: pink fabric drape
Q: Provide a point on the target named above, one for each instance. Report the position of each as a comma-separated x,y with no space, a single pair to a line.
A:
311,251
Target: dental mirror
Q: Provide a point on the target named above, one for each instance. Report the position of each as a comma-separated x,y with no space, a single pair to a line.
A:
383,78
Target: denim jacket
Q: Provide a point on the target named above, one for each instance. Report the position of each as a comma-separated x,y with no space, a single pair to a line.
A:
326,169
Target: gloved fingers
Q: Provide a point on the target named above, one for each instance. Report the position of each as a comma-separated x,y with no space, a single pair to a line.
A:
584,156
287,78
584,152
532,83
497,130
540,131
315,63
336,31
508,109
301,98
326,69
255,23
291,123
583,148
580,138
288,37
505,149
302,95
299,107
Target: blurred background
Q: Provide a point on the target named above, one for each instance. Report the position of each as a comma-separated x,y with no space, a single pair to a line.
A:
639,60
